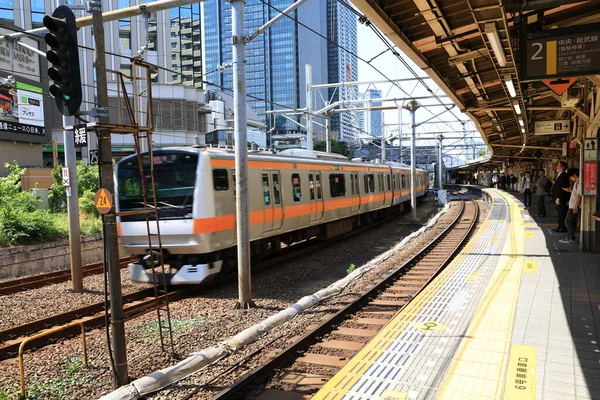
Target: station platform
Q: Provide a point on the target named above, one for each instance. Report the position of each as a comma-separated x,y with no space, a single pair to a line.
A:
514,316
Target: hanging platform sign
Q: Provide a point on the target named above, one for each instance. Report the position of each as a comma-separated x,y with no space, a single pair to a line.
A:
553,127
561,53
590,169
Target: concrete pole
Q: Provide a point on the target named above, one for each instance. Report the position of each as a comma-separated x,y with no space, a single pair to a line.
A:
309,108
107,182
73,207
413,106
241,154
440,165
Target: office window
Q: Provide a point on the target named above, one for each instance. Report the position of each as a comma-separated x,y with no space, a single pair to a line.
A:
220,180
337,185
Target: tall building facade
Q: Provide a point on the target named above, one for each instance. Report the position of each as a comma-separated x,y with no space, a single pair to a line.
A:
371,121
342,65
275,68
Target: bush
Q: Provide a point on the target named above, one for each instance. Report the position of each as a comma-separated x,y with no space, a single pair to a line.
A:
87,204
87,181
20,227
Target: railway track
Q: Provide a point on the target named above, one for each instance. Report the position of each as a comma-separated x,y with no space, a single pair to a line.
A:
307,364
92,316
48,278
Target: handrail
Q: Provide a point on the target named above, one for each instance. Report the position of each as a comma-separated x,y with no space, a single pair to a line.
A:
45,333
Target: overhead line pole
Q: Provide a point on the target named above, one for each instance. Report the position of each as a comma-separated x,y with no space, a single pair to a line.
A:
413,106
111,244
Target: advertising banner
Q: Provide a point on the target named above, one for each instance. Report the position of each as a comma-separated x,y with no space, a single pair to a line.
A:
22,109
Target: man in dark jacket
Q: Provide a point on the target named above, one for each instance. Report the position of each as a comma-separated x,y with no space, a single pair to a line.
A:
560,196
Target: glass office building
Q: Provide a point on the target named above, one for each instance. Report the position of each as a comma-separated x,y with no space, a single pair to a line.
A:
371,121
276,60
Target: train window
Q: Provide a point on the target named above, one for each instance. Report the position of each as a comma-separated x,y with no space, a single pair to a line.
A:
265,186
403,177
352,183
276,195
337,185
296,189
369,183
381,188
311,186
389,181
356,189
220,180
318,183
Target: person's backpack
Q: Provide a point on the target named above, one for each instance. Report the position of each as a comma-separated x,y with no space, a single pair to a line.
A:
548,186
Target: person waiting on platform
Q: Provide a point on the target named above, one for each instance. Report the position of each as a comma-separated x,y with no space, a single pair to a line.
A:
540,191
526,188
574,203
513,182
561,197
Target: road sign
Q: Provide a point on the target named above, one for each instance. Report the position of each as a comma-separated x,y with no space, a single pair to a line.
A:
564,52
81,137
103,201
552,127
93,157
66,179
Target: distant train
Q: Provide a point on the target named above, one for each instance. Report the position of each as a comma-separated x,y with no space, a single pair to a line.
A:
294,195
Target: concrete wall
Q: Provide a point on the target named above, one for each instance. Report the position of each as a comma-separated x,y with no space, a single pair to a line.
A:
25,260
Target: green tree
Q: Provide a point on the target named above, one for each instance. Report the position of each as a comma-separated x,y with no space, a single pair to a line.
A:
336,147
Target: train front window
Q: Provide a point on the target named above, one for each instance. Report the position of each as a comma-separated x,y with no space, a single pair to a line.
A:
174,180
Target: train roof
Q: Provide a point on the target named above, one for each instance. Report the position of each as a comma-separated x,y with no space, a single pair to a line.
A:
288,155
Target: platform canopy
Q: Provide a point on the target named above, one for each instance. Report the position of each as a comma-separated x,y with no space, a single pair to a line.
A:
471,49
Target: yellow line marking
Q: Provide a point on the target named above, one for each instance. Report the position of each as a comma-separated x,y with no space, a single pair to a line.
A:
522,370
530,267
528,235
429,326
473,276
392,395
347,377
479,366
551,57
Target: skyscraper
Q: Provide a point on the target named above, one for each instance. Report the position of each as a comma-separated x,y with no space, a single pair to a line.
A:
276,59
342,65
371,120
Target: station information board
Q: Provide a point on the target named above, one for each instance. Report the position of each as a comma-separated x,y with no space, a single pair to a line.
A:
561,53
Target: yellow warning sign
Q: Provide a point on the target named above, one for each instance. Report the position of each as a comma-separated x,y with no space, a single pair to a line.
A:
429,326
528,234
473,276
530,266
103,201
392,395
522,371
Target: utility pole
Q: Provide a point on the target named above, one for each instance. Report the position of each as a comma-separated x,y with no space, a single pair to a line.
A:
111,244
309,108
413,106
328,131
400,132
241,154
440,164
66,90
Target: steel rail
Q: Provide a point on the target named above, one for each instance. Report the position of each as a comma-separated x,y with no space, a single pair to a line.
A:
36,281
243,386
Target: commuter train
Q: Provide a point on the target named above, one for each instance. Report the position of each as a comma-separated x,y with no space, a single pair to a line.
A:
294,195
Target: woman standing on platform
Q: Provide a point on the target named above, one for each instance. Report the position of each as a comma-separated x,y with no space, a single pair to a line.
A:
540,191
526,189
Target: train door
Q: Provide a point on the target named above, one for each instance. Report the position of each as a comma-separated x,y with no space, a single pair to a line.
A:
381,189
272,208
316,196
355,193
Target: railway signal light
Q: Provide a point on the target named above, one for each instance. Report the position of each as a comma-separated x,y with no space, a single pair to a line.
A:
64,57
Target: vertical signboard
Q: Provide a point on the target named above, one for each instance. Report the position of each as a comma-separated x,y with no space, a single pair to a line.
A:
590,169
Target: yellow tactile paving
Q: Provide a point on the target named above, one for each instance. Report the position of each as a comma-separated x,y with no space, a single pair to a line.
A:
495,313
337,386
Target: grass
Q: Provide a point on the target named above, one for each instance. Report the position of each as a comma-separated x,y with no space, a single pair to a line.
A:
73,374
351,269
149,329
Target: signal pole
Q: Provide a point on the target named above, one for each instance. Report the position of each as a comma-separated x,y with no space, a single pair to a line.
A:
111,244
